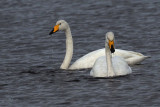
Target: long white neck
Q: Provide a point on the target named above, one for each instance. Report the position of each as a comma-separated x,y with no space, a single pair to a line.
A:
69,49
110,69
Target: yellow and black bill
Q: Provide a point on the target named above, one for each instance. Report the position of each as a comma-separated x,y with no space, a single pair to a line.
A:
55,29
111,46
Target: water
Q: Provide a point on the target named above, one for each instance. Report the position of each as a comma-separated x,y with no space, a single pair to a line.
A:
30,58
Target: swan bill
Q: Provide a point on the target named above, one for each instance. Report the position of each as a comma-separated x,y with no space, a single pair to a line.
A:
111,46
55,29
112,49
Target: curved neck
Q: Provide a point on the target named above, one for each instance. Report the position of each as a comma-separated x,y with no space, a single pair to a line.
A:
110,70
69,49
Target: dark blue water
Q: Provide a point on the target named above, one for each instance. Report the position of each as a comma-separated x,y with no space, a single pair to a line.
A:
30,58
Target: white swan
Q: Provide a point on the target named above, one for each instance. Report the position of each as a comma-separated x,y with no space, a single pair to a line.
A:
108,66
87,61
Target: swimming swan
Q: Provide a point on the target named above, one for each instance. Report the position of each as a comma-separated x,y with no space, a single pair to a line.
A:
87,61
108,66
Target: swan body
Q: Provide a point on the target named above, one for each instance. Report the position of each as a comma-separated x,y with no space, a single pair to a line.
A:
108,66
88,60
100,69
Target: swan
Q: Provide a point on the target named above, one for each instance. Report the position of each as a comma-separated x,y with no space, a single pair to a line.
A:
108,66
87,61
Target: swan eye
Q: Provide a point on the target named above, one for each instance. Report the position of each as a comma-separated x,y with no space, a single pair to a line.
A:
60,24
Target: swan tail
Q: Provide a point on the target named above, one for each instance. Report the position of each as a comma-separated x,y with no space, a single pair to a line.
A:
147,56
136,60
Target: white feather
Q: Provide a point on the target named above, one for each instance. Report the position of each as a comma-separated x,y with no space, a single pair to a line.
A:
88,60
108,65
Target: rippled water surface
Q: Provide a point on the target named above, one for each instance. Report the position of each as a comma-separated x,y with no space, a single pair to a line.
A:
30,58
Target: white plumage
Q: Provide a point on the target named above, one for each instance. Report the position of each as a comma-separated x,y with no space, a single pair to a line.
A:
108,66
88,60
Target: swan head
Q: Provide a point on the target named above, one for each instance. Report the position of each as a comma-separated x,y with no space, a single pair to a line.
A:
110,41
60,25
